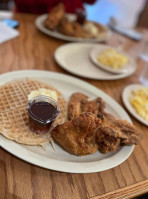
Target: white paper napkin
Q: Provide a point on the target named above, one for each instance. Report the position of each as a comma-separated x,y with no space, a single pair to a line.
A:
7,33
5,14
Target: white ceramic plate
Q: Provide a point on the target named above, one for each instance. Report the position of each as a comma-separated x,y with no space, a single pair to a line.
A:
39,22
75,58
60,160
127,92
94,53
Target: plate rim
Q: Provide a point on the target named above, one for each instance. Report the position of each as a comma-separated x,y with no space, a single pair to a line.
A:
41,18
79,167
126,93
114,76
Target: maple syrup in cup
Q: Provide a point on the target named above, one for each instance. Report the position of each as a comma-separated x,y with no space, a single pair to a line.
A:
42,111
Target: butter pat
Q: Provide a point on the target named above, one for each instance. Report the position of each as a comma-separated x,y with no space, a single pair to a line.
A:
42,91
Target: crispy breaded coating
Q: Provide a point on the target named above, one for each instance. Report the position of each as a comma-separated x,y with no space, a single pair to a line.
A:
75,104
78,135
107,140
72,29
79,104
95,106
55,16
115,132
124,130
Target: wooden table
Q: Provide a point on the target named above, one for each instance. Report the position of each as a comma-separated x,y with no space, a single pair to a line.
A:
21,180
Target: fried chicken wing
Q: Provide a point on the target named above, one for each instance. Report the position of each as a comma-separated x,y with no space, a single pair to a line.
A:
115,132
78,135
79,104
124,130
107,139
55,16
75,104
95,106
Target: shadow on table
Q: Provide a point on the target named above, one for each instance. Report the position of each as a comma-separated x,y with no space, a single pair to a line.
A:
144,196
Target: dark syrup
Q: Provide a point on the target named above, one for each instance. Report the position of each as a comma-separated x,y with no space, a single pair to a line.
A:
41,115
43,111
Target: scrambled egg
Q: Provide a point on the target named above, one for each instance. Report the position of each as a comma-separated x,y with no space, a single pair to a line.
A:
139,101
43,91
112,58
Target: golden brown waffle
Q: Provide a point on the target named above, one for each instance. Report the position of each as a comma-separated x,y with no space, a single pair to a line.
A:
14,116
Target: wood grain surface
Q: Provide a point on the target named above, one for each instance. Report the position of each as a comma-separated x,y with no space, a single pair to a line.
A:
21,180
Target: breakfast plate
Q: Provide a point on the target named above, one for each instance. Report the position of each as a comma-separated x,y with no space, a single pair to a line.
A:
96,52
55,158
127,93
39,22
75,58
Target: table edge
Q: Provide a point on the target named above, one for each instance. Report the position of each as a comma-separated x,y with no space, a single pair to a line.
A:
126,192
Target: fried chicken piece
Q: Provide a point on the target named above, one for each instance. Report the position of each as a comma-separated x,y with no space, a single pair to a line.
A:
115,132
78,136
70,28
75,104
79,104
107,139
95,106
55,16
124,130
73,29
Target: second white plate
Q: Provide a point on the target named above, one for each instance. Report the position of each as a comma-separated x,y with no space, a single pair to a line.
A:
74,58
127,92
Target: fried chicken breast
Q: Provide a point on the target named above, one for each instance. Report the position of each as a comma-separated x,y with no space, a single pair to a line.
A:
77,136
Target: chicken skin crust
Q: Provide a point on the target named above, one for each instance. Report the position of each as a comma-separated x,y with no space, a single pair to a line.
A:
115,133
79,104
55,16
77,136
73,29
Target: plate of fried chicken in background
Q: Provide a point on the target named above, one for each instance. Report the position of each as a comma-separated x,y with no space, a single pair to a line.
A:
99,134
64,26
